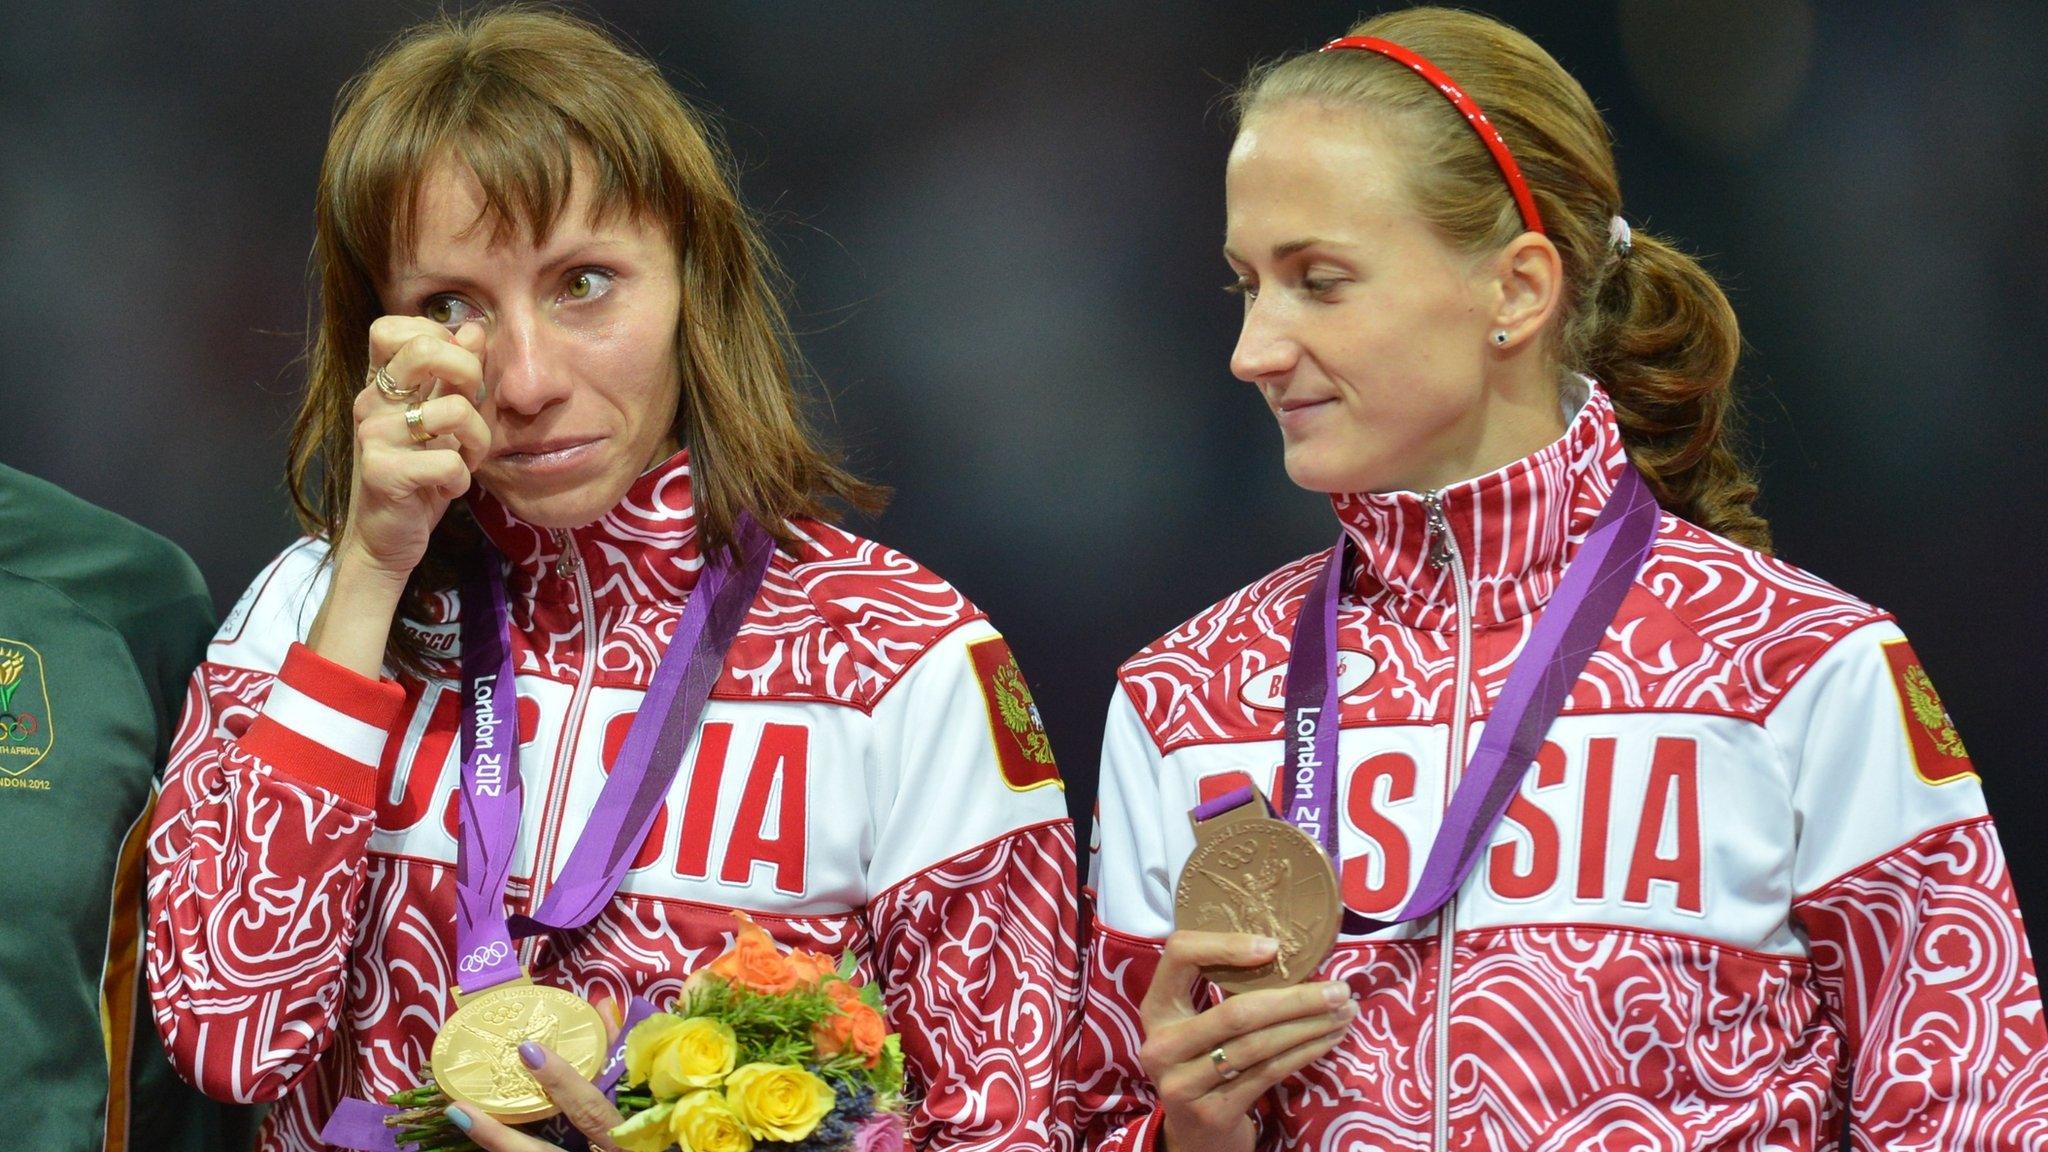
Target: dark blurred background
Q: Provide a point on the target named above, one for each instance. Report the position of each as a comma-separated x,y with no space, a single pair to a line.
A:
1003,221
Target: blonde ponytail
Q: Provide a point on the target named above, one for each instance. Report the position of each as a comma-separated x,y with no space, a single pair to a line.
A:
1662,339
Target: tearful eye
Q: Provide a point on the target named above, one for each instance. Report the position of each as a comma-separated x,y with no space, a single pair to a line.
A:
449,311
587,284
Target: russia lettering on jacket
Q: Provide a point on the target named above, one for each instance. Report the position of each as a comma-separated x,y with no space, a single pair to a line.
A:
845,789
1746,896
1562,829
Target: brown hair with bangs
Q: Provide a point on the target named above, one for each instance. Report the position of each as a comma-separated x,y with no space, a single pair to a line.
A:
1652,326
519,94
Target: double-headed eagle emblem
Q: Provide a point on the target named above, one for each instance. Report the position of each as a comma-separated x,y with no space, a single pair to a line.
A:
1927,709
1020,713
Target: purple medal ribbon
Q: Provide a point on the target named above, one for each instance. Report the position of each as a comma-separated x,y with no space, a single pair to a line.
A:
488,820
1561,642
487,817
1312,716
647,763
1564,638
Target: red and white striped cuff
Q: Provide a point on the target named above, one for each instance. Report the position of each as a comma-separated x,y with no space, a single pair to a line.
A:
325,725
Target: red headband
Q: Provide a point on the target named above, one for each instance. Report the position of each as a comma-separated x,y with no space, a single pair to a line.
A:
1488,134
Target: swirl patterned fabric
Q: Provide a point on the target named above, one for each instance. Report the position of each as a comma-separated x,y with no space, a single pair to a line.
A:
235,921
989,999
843,791
1937,992
1563,1039
1747,895
1568,1038
840,627
1191,685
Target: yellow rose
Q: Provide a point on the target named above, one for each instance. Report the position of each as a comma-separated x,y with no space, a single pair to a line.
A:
646,1132
697,1055
642,1042
672,1055
704,1122
778,1101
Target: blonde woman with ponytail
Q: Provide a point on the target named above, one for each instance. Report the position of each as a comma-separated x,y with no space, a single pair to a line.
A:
1547,810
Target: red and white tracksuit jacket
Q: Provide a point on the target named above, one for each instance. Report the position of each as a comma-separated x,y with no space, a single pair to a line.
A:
1747,897
870,774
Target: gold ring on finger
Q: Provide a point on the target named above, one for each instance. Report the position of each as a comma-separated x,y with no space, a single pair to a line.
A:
416,424
381,377
1222,1063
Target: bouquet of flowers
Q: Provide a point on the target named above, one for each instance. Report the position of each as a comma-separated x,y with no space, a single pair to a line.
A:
769,1048
780,1050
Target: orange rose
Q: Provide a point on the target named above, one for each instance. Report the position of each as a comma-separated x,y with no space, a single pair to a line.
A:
854,1028
755,963
811,967
842,993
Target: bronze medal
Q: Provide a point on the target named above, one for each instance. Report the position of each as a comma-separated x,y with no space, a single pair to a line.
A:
1252,873
475,1058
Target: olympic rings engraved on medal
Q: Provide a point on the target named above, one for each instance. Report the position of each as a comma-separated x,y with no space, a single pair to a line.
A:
1237,855
485,955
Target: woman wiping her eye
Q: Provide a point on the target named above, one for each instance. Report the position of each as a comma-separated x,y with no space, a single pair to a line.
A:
1546,810
554,479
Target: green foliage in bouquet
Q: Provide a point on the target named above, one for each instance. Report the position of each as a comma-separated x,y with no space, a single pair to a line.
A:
762,1047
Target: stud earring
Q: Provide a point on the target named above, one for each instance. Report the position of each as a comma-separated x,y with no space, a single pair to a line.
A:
1500,337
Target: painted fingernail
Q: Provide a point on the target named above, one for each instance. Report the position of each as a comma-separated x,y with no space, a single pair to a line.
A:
1335,994
532,1054
458,1117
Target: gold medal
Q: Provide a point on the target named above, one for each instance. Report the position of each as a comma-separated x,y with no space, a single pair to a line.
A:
475,1058
1252,873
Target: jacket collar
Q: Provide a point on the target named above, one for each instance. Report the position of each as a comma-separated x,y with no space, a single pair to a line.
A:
1514,528
643,550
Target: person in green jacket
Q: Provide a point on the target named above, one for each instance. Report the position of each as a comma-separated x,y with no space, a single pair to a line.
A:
100,624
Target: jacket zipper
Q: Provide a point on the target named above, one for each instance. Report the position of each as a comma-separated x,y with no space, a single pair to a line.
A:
1443,552
566,565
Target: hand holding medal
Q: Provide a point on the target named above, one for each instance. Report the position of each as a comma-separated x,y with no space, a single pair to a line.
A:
1210,1067
506,1029
1256,911
424,1118
1251,871
565,1087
